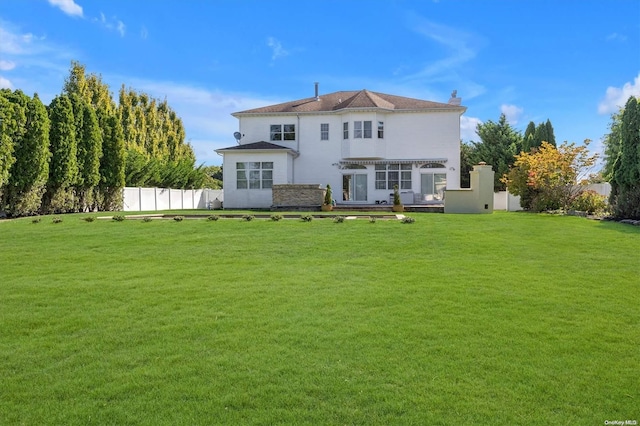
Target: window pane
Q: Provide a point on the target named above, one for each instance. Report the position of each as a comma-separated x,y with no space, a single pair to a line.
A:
254,179
380,129
267,184
345,130
357,129
381,167
242,184
267,165
289,132
254,165
405,167
394,166
276,132
367,129
405,184
267,174
406,175
240,166
241,175
324,131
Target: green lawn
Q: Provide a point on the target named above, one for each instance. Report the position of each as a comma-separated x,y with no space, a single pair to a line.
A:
509,318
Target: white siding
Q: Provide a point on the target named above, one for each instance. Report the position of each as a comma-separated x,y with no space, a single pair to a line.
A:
407,136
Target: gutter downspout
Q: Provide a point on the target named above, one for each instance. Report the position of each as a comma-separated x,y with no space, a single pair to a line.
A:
293,161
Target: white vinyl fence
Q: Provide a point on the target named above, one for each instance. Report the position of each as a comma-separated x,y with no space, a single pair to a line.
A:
152,199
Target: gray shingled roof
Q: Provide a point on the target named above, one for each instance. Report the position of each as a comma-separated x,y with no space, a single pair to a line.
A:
362,99
262,146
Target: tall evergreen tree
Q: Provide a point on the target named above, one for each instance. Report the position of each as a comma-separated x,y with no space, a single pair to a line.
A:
625,185
612,142
30,171
112,165
89,154
63,170
551,137
8,128
528,140
499,144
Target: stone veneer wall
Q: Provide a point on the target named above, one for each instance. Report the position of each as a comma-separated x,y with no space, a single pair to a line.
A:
297,197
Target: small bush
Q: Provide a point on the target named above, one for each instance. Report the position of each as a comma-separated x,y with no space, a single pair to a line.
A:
248,217
372,219
118,218
408,219
36,220
589,201
338,219
178,218
276,217
213,218
147,219
306,218
89,218
56,220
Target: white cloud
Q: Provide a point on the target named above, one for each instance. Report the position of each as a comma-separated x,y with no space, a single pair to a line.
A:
14,43
512,113
468,127
616,97
5,84
617,37
7,65
112,24
69,7
277,51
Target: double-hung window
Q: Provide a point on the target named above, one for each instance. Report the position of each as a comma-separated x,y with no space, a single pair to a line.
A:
283,132
389,175
345,130
380,129
362,129
324,131
254,175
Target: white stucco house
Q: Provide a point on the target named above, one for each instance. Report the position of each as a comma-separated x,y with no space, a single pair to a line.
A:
362,143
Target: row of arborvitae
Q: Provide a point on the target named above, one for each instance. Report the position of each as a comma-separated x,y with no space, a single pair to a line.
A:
77,153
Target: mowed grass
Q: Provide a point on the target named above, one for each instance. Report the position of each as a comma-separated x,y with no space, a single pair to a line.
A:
496,319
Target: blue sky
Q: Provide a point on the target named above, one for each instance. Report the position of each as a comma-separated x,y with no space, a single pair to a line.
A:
571,61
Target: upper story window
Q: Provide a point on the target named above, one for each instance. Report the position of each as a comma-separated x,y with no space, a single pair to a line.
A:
283,132
345,130
380,129
362,129
324,131
254,175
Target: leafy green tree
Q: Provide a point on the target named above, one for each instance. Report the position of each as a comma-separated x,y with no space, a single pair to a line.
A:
89,154
499,144
112,165
30,171
63,170
535,135
528,140
625,182
466,164
13,120
550,133
612,142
